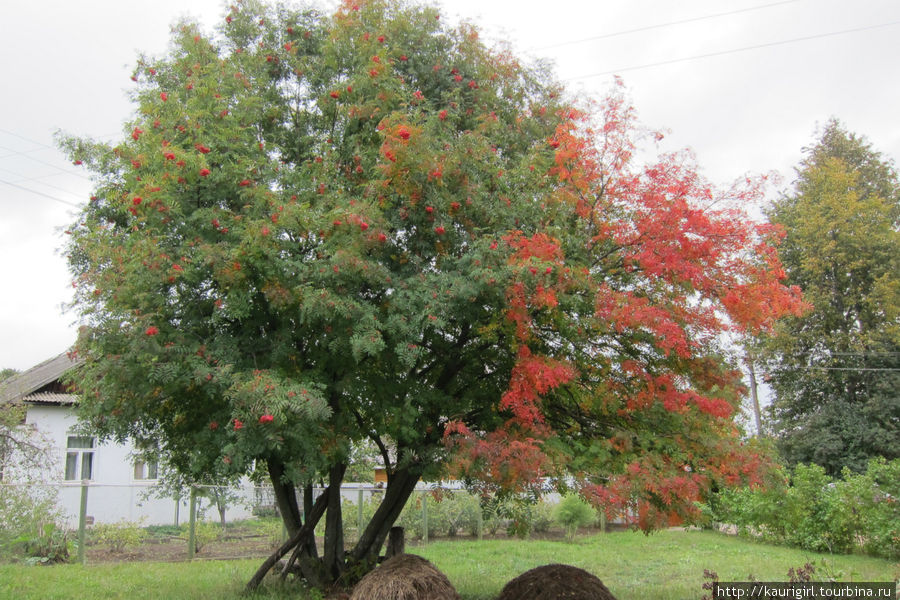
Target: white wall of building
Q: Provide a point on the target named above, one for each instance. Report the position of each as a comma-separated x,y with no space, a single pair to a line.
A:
114,494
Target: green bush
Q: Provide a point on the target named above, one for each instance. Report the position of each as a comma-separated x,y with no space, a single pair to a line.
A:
270,528
50,544
820,520
543,516
573,512
118,536
28,515
815,512
204,533
875,499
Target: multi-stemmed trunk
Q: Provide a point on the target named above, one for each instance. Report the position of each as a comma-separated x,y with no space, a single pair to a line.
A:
335,562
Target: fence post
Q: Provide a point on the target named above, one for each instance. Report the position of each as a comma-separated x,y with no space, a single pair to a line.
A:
359,520
480,523
192,526
82,520
425,517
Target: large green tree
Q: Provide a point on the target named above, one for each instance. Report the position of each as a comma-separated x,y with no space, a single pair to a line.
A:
320,231
836,370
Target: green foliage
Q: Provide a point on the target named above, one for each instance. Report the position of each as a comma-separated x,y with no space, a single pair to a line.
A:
272,529
25,512
573,512
320,231
49,544
205,532
834,370
543,516
118,536
457,512
816,512
162,531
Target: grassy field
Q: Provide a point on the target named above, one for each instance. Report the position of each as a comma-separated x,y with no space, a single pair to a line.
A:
665,566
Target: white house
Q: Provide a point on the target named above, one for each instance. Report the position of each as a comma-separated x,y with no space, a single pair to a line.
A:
117,482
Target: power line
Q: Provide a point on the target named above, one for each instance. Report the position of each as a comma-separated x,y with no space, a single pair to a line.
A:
49,164
20,152
22,137
54,198
814,368
735,50
38,178
661,25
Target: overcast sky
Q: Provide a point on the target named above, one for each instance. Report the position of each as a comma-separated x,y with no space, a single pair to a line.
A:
743,83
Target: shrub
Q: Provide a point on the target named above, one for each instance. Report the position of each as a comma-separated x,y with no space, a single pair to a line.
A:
118,536
204,533
573,512
25,514
270,528
51,544
820,520
815,512
542,516
875,497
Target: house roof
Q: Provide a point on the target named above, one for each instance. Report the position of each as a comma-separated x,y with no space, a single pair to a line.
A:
28,385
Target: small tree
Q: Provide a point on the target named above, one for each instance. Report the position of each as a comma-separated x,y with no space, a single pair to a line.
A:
220,489
573,512
28,506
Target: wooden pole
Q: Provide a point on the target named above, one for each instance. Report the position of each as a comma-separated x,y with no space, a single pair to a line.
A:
192,525
359,516
396,542
425,517
82,519
480,523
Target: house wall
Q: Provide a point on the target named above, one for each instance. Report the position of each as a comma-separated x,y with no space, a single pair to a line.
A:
113,493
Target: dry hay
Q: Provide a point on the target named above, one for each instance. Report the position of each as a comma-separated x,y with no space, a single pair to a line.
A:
556,582
405,577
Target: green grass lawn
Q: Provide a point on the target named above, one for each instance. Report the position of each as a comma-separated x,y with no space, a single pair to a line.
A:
663,566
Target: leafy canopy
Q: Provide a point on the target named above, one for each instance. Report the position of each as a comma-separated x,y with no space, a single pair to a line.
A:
835,369
319,230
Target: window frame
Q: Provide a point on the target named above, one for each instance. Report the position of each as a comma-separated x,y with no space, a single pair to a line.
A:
79,458
145,470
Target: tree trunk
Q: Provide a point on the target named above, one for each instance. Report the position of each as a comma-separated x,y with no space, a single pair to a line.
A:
396,542
220,506
399,489
308,528
335,561
334,527
310,540
285,497
754,394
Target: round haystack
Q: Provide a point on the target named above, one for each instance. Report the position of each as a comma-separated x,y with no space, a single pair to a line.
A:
556,582
405,577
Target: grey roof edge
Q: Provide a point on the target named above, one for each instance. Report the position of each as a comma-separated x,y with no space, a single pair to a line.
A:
18,386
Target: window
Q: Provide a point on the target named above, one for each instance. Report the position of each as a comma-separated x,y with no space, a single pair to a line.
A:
146,470
79,458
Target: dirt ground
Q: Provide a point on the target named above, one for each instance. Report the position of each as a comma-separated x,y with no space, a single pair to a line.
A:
235,546
176,549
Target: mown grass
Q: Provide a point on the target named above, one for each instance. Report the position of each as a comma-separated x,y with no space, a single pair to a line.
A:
664,566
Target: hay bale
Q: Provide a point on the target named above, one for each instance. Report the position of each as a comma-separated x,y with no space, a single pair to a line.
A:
405,577
556,582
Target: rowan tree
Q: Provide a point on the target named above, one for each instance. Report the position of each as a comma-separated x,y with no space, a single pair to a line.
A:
320,231
834,370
